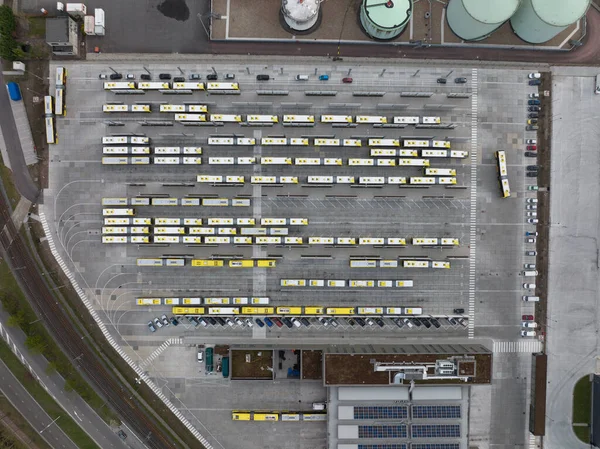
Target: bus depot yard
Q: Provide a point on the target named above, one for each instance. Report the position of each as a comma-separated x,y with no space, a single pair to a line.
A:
339,212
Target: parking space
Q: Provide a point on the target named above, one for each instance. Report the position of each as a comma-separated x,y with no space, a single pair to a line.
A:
479,295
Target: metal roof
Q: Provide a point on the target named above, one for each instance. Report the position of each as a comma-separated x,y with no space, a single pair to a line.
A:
560,12
491,11
388,14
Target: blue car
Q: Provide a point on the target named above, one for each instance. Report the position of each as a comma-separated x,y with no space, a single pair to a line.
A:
533,102
324,77
259,322
268,322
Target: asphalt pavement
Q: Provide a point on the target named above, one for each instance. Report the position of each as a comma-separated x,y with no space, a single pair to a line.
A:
71,402
21,176
31,410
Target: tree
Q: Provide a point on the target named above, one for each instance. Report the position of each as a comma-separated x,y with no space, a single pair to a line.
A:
35,344
8,25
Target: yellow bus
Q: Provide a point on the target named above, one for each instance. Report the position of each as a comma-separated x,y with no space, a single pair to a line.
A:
241,263
289,310
340,311
206,263
313,310
258,310
269,416
265,263
238,415
188,310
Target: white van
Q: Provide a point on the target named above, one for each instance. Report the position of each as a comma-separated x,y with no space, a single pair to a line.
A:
530,273
531,298
319,406
200,355
526,285
301,77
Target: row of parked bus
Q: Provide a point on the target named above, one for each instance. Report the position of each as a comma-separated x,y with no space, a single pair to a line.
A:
55,106
162,201
247,415
354,283
238,221
300,311
231,263
196,301
445,177
167,85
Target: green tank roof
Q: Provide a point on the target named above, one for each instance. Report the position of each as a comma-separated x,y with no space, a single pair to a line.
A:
491,11
560,13
388,13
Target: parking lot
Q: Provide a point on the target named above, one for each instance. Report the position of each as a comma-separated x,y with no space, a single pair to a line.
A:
483,278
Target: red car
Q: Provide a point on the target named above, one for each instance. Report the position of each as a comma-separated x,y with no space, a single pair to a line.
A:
532,147
527,317
346,80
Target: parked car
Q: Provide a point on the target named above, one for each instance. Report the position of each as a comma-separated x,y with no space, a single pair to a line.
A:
323,321
260,322
531,200
527,285
351,321
277,321
529,324
369,321
532,187
531,253
531,174
165,320
116,76
531,128
533,115
532,220
530,154
527,318
532,141
158,323
103,76
534,75
533,102
532,214
194,76
532,121
533,168
399,322
459,311
296,322
530,240
130,76
212,77
534,82
441,80
531,147
164,76
531,207
426,323
527,333
229,76
534,95
417,322
238,321
534,109
347,80
211,320
529,266
333,322
305,321
324,77
379,322
151,326
435,322
360,322
267,321
174,321
461,80
221,321
230,322
202,321
263,77
145,77
287,322
407,322
179,79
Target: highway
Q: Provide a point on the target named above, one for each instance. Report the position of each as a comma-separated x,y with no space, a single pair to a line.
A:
32,411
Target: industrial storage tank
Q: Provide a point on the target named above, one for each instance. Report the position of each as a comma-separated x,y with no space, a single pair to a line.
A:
538,21
300,15
473,20
383,19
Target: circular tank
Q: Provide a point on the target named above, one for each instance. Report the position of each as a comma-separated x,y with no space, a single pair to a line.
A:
385,19
473,20
300,15
538,21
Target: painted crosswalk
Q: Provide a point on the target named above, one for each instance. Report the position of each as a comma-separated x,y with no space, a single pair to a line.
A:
160,349
518,346
473,211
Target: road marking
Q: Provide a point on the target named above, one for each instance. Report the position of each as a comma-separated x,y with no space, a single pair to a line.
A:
530,346
473,211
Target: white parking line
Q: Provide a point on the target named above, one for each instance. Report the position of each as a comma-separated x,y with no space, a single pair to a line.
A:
473,216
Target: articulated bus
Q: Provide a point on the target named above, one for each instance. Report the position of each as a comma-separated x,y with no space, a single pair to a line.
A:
336,119
424,264
428,241
61,77
50,131
48,106
60,107
503,173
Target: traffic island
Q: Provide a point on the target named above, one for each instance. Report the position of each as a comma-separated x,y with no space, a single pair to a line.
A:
582,408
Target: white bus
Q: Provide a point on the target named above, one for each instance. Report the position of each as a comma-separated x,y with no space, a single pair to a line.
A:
152,85
276,161
352,142
114,239
262,119
440,172
140,108
172,108
320,240
395,241
298,119
371,241
226,118
440,144
415,143
245,160
167,150
167,160
413,162
327,142
386,162
220,141
245,141
118,85
408,153
221,161
344,179
371,180
202,108
361,161
384,142
267,240
61,77
396,180
332,161
432,120
459,154
406,120
320,179
336,119
263,180
164,201
188,86
273,141
109,160
115,108
293,240
223,86
190,117
384,152
190,201
49,106
50,131
299,141
308,161
288,180
371,119
434,153
115,150
118,212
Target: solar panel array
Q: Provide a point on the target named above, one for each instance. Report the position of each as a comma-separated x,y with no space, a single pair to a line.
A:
381,412
382,446
382,431
435,431
434,446
436,411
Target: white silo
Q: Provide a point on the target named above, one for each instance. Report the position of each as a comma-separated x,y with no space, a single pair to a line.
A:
383,19
538,21
300,15
473,20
